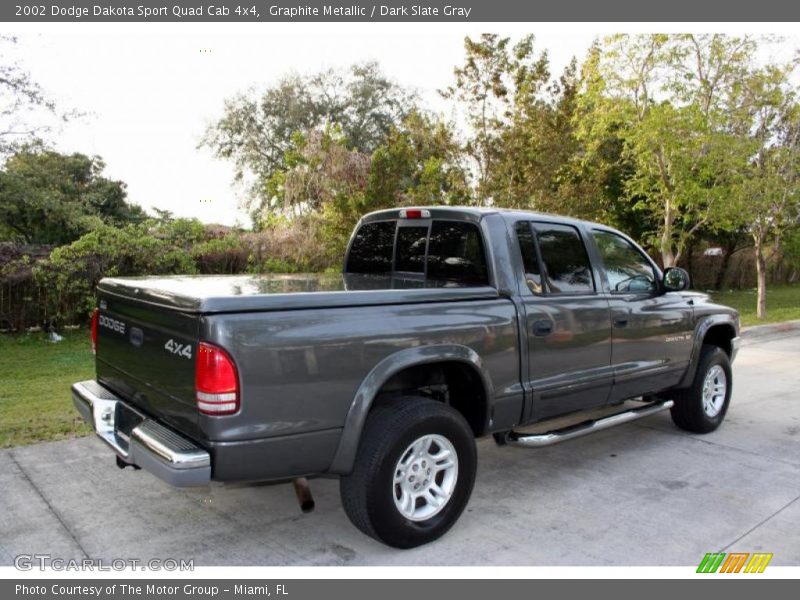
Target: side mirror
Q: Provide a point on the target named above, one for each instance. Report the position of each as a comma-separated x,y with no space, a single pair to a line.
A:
676,279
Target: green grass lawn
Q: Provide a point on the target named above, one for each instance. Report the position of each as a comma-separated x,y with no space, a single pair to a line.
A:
35,400
783,303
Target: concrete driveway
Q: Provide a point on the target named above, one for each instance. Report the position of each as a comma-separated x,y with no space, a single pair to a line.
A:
641,494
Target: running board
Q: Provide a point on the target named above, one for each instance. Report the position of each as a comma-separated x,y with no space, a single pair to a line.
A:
538,440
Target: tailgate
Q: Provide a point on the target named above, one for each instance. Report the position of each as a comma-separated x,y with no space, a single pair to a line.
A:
145,354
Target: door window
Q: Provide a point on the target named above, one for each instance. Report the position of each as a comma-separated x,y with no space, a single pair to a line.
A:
530,262
627,269
566,264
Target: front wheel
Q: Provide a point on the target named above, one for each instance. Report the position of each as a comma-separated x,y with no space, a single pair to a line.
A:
413,473
701,408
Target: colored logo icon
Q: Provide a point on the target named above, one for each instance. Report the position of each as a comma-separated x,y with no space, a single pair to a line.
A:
734,562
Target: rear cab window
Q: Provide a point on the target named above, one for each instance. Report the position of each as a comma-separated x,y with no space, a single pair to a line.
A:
455,253
372,248
444,252
411,247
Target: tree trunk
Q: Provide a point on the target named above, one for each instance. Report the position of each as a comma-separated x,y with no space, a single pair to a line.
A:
761,277
688,252
668,258
667,254
728,250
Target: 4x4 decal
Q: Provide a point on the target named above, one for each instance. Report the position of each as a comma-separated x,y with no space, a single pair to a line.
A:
183,350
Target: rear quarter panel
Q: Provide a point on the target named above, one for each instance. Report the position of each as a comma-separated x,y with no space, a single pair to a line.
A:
301,370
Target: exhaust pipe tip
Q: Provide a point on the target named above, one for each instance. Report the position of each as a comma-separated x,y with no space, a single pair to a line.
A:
121,463
303,492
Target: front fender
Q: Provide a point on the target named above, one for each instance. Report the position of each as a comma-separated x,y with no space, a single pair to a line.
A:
701,329
368,390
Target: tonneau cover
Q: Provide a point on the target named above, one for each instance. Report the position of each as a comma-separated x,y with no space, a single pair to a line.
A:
271,292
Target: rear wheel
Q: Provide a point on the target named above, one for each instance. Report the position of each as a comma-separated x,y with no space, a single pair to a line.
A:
701,408
413,474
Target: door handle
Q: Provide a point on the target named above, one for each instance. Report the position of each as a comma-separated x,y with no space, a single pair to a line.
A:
542,328
621,322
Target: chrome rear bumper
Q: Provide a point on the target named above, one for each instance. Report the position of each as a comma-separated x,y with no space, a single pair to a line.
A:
151,446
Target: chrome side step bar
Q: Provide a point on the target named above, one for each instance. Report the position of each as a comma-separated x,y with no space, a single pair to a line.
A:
539,440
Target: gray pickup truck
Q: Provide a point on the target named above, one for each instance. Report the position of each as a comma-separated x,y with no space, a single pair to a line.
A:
447,324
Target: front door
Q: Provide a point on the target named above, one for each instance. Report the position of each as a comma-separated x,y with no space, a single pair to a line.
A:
567,322
652,329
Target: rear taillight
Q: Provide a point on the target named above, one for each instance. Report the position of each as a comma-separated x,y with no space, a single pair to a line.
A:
95,318
216,382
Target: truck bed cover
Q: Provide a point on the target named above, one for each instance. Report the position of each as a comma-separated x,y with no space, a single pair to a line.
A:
272,292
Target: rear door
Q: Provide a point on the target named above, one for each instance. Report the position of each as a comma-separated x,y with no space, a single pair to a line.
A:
652,329
567,321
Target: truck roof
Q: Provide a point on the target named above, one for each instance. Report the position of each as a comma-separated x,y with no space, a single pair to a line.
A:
476,213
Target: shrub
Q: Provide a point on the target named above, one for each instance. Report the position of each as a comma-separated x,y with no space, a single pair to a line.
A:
58,285
221,255
68,277
19,293
289,247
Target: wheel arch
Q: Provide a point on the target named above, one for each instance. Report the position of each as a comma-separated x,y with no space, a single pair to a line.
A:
394,364
718,330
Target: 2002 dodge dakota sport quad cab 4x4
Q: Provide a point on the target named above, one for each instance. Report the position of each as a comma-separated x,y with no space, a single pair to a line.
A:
447,324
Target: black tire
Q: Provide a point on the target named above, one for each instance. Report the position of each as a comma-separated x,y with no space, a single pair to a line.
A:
688,412
367,493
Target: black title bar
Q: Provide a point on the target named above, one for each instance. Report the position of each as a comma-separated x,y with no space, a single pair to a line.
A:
454,11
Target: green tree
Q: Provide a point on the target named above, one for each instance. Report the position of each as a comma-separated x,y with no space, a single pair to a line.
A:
791,248
257,131
532,141
20,98
319,167
586,176
52,198
667,97
766,199
542,164
497,83
69,276
524,133
420,162
322,179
